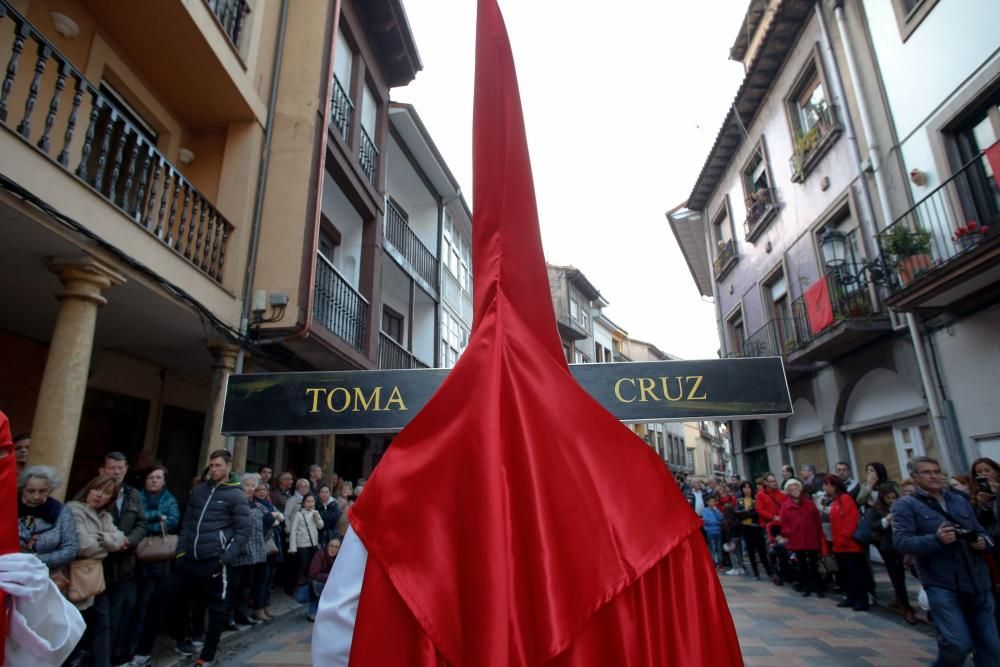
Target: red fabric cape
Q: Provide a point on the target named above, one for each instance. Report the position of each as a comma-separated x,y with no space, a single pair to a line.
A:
8,514
515,521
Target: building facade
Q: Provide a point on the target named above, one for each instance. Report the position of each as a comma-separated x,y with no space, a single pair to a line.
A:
795,150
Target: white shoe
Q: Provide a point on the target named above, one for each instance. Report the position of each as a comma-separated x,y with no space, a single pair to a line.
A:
734,571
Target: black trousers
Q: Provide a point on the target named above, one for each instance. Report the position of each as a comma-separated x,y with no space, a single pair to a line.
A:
189,580
753,537
897,575
853,576
809,570
304,558
240,579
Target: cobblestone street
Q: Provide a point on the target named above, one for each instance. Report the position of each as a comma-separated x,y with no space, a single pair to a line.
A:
776,626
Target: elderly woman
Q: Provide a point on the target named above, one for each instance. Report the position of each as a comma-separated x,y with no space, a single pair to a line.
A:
98,536
45,528
241,572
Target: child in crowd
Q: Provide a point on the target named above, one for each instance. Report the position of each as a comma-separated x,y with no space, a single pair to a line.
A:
713,528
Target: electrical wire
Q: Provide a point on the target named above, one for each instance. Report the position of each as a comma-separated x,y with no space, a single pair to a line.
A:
207,317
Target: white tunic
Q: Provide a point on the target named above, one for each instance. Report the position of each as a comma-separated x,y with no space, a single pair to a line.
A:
338,606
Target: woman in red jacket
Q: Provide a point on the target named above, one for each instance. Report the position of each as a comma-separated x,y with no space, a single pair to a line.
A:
850,555
803,532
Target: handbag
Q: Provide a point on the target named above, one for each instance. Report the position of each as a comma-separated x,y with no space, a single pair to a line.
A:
86,579
863,533
270,546
157,548
828,565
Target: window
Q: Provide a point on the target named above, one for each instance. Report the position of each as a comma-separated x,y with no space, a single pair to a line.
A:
977,132
725,247
580,358
129,112
602,354
811,119
343,61
454,339
759,195
779,309
392,324
734,327
328,247
579,312
457,255
910,13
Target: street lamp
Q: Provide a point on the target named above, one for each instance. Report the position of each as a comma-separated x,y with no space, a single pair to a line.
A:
833,247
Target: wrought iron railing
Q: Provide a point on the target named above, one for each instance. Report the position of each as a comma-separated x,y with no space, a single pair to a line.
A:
368,157
341,110
777,338
406,242
232,16
759,207
809,143
949,222
338,306
111,156
393,355
725,255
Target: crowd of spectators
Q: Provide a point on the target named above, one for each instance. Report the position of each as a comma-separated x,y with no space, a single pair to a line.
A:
821,533
137,567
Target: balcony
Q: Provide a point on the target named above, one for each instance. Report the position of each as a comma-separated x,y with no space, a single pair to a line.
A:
944,251
231,15
855,322
761,209
408,250
368,158
341,110
338,306
811,145
725,258
393,355
66,118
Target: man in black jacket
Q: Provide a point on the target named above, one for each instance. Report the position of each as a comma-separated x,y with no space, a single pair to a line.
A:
216,527
119,568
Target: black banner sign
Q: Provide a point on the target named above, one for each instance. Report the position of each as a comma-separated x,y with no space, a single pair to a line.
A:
385,400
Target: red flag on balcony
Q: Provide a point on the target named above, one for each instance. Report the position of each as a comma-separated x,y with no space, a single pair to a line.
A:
515,521
993,157
819,309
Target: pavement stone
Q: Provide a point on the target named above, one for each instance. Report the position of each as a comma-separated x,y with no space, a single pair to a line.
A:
776,626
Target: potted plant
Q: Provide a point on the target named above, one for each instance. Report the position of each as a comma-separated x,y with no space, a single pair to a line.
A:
969,234
909,249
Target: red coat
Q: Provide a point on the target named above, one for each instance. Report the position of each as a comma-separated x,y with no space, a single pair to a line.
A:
800,524
769,506
844,518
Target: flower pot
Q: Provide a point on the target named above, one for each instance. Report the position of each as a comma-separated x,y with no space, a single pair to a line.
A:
912,266
968,240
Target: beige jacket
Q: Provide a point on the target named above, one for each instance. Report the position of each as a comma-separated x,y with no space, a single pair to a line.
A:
305,530
96,534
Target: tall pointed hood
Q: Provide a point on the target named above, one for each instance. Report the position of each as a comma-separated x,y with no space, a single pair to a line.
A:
515,521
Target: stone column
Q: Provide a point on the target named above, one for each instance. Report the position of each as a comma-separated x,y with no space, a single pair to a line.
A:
327,454
240,454
64,382
223,362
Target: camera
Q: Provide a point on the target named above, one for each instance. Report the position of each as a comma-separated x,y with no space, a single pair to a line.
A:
965,534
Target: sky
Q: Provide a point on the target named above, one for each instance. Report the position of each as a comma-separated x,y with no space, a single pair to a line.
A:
621,108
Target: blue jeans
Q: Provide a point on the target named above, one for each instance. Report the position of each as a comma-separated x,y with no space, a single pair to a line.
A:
315,591
715,546
965,623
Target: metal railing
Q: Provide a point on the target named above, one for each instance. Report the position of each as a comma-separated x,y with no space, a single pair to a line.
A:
759,206
338,306
341,110
111,156
232,16
808,143
393,355
404,240
368,158
725,254
949,222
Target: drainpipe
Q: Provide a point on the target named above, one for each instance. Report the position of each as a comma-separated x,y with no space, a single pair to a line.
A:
258,204
938,424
